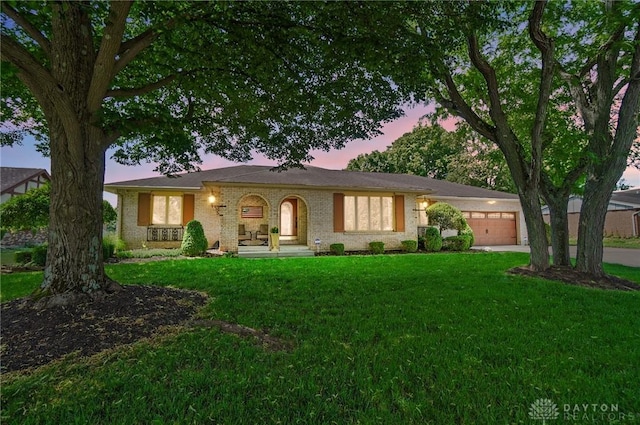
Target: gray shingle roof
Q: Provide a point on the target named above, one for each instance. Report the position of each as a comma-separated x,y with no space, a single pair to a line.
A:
12,176
311,177
630,196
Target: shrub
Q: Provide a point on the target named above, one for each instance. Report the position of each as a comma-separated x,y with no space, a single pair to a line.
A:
108,248
337,248
446,216
124,254
376,247
410,245
468,231
117,243
22,257
194,242
39,255
456,243
432,239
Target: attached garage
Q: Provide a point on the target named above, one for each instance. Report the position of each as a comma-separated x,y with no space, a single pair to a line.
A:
493,228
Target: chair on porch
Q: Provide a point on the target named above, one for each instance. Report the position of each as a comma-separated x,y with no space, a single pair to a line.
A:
243,235
263,233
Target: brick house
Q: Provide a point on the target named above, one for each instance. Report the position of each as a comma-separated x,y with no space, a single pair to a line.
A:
236,206
623,214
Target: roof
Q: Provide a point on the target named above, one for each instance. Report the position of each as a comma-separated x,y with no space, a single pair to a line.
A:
10,177
310,177
629,197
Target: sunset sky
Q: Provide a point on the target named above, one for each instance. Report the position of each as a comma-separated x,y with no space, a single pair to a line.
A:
26,155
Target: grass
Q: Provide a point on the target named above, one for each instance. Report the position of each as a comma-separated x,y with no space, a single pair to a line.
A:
615,242
7,255
429,339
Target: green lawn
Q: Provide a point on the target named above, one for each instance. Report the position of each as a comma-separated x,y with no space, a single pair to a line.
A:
425,339
614,242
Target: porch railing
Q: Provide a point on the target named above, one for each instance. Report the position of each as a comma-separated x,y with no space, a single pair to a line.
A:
164,234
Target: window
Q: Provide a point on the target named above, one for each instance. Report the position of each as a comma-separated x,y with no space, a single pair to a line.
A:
366,213
493,215
167,209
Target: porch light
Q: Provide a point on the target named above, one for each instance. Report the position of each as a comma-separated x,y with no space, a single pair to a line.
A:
422,205
212,202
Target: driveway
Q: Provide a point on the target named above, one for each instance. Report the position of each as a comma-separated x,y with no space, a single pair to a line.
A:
624,256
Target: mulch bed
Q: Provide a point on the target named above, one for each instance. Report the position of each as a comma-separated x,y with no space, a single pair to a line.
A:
573,277
32,336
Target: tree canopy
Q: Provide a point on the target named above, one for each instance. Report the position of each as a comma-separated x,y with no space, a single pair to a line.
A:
168,81
460,156
554,85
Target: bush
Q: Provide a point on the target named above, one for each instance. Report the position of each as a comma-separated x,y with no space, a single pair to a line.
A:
112,240
446,216
410,245
456,243
432,239
22,257
108,248
194,242
124,254
467,231
39,255
337,248
376,247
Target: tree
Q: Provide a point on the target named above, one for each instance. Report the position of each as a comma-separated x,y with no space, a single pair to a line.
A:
446,216
31,210
505,83
431,151
165,81
27,212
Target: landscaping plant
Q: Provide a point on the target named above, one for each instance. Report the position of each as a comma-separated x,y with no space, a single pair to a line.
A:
194,242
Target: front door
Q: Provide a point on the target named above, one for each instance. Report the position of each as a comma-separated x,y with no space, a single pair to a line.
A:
289,217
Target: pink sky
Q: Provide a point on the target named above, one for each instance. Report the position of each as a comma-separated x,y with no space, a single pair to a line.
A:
26,155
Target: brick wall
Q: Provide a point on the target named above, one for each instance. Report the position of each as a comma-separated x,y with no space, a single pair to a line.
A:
617,223
315,218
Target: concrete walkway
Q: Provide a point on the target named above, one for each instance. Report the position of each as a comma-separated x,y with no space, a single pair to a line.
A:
624,256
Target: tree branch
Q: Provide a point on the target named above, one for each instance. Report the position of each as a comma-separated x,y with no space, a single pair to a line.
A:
460,107
103,70
14,52
495,105
132,47
30,29
546,47
139,91
627,130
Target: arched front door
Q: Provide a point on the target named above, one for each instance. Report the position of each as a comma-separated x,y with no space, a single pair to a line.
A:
289,217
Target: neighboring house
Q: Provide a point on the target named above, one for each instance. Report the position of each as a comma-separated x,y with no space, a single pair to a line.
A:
16,181
623,214
236,205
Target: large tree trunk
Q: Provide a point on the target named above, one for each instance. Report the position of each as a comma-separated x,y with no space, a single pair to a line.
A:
77,146
559,228
532,210
600,184
74,256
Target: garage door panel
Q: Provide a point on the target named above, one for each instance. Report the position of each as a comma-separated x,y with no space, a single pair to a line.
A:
494,231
